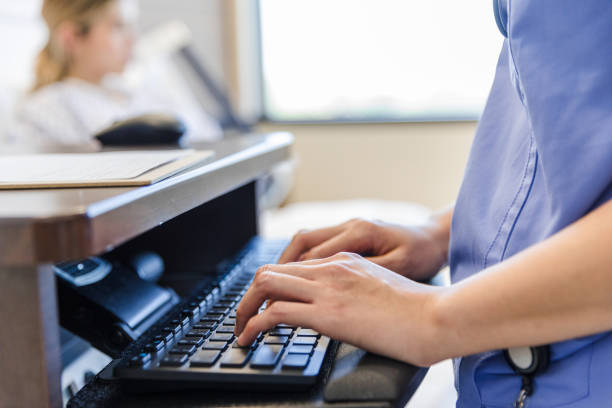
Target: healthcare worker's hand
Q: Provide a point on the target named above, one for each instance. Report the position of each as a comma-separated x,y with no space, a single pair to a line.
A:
415,252
345,297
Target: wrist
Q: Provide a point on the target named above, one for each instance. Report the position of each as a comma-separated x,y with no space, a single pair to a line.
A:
438,227
453,333
438,328
432,248
432,325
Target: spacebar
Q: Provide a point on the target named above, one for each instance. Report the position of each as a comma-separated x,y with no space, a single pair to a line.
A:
266,356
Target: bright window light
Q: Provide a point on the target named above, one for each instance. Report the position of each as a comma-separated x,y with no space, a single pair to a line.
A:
376,60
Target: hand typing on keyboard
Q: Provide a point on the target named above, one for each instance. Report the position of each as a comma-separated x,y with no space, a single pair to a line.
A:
417,252
195,346
348,298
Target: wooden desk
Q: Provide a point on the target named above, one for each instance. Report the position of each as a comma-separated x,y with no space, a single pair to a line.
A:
42,227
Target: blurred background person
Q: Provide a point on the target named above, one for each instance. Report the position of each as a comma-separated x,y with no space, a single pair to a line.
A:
79,89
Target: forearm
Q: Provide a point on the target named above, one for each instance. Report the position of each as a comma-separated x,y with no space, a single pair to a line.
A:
556,290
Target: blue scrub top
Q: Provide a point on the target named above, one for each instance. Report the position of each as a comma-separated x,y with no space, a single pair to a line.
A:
541,159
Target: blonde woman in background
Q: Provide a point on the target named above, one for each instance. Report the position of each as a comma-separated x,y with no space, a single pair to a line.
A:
78,90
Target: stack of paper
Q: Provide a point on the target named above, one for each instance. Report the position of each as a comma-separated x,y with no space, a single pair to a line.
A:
111,169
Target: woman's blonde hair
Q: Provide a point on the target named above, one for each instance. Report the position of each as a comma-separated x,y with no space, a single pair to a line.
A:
53,63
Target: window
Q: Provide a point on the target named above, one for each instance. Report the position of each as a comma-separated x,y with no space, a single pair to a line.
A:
371,60
22,35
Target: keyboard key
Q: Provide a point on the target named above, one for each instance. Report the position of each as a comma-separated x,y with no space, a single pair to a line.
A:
307,333
195,306
296,361
160,338
222,337
188,349
190,312
167,330
282,325
201,302
140,359
281,332
166,337
154,346
185,322
205,325
174,360
220,310
248,346
305,341
191,341
204,358
230,298
266,356
176,325
300,349
198,333
270,339
235,357
225,329
213,317
230,321
215,345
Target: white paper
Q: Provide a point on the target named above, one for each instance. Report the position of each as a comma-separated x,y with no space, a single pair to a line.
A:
83,167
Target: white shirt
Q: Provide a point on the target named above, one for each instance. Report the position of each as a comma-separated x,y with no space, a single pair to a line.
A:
64,116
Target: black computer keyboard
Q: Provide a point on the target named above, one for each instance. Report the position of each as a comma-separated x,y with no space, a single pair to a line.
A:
197,346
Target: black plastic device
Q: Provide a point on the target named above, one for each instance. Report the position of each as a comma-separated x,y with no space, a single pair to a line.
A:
108,304
151,129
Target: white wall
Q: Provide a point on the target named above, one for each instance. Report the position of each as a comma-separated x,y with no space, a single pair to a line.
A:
205,20
417,162
22,34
